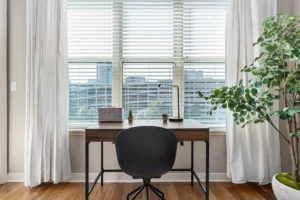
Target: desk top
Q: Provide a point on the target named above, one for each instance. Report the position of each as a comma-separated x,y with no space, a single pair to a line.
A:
187,124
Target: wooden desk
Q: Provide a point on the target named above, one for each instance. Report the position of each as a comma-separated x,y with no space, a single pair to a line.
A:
188,130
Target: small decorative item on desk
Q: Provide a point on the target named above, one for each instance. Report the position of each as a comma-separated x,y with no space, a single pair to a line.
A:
130,116
178,118
108,115
165,118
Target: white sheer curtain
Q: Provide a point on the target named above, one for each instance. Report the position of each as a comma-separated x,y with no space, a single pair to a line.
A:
253,153
47,141
3,91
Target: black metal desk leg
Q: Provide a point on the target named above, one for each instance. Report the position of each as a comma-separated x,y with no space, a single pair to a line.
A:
207,170
87,170
102,164
192,162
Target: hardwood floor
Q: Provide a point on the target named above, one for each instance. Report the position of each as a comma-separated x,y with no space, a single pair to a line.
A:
119,191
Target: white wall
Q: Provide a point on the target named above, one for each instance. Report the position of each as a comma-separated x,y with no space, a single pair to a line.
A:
17,71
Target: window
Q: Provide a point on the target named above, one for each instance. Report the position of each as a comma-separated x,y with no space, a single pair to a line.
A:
89,88
141,93
202,77
120,50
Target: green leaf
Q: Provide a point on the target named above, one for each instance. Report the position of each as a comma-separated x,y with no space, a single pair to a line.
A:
254,91
291,112
200,94
241,82
283,116
258,121
217,92
258,84
277,113
238,109
298,134
291,90
258,71
285,109
248,109
247,70
231,105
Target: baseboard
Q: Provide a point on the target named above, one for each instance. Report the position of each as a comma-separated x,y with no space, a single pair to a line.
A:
121,177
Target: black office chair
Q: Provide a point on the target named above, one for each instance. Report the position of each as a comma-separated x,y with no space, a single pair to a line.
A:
146,152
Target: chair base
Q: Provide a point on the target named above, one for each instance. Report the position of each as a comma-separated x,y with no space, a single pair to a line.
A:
148,186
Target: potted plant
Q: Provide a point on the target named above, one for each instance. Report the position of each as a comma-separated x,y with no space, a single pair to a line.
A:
130,116
277,70
165,118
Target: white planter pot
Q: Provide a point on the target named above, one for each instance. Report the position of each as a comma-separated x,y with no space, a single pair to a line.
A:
283,192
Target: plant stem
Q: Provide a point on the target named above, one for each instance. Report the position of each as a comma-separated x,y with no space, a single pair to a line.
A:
272,124
289,124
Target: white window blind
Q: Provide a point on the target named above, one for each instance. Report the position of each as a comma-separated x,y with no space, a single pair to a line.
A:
147,29
141,93
203,77
90,29
89,89
204,29
145,43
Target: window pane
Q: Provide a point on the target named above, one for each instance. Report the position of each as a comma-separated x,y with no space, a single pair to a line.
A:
141,93
90,25
147,28
89,89
203,77
204,28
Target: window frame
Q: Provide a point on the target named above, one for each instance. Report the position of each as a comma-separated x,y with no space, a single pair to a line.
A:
118,60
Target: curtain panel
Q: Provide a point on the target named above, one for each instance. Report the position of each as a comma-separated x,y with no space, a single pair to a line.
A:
253,152
47,139
3,91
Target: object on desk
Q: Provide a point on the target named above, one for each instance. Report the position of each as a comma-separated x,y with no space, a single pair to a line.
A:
165,118
110,115
173,119
130,116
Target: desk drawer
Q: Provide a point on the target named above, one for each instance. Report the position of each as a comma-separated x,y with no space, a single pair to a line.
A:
100,135
192,135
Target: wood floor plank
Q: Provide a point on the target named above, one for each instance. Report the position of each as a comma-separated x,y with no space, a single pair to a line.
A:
127,189
172,192
100,192
110,191
13,192
119,191
4,189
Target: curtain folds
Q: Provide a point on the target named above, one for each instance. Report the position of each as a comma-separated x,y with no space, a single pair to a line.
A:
253,153
47,139
3,91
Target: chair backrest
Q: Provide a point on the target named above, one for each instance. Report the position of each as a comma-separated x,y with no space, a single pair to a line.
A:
146,151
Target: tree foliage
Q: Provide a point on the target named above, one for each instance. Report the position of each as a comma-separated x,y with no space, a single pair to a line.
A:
281,45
